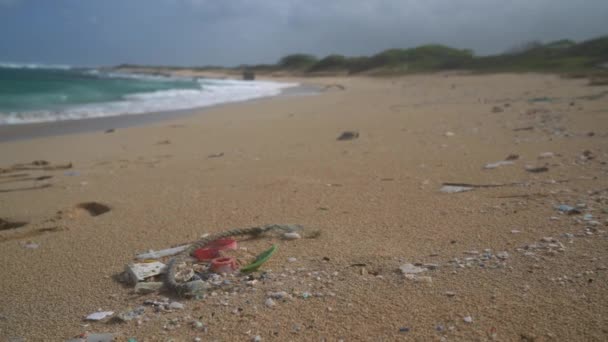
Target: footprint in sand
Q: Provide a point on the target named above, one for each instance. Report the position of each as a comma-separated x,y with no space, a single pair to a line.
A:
6,224
85,209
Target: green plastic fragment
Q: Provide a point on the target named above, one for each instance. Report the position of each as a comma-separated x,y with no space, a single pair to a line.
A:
259,260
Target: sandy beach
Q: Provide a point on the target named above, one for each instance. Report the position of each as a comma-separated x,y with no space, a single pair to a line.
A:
497,262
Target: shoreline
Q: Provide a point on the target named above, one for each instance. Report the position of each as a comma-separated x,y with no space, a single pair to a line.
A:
13,132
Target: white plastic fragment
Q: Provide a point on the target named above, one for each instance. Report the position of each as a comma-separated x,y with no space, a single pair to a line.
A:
468,319
31,245
162,253
450,189
498,164
139,272
291,236
98,316
411,269
546,155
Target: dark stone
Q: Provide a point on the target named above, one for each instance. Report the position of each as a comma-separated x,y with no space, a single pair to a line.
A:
348,135
248,75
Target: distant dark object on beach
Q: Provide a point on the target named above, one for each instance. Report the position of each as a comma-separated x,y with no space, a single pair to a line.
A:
497,109
248,75
336,85
348,135
6,224
537,169
111,130
216,155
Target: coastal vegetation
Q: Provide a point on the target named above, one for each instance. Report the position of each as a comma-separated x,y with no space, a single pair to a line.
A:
561,56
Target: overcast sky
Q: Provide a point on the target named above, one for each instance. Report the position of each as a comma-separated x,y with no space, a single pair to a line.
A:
232,32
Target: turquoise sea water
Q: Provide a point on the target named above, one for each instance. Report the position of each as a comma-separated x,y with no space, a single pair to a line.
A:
38,94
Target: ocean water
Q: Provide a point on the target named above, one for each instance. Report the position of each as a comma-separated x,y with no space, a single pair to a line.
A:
37,93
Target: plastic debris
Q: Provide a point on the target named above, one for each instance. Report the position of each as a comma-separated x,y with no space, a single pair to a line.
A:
212,250
131,314
564,208
148,287
139,272
498,164
468,319
223,265
450,189
404,329
162,253
411,269
545,155
98,316
31,245
260,259
291,236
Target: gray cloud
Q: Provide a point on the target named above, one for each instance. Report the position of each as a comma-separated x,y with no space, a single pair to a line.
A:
231,32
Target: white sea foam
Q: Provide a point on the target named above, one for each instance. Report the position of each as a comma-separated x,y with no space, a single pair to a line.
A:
213,92
9,65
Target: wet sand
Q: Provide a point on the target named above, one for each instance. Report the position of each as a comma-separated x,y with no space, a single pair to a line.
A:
498,262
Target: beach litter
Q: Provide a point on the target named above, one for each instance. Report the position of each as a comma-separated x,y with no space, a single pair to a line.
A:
348,135
213,262
498,164
162,253
131,314
260,260
567,209
98,316
450,189
140,271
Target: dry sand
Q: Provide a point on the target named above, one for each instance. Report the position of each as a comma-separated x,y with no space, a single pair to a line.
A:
375,199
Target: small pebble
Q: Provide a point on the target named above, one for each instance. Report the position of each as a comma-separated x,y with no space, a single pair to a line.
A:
176,306
292,259
502,255
257,338
269,302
